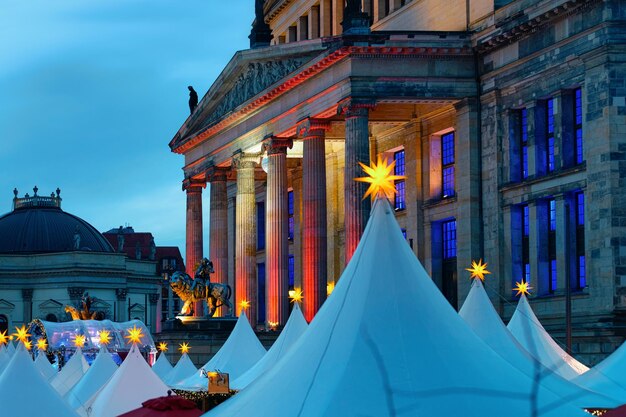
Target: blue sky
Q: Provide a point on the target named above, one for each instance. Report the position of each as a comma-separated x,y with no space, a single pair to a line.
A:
91,92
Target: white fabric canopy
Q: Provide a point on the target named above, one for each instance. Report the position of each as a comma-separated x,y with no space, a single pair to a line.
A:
481,316
44,366
4,358
294,328
239,353
529,332
132,384
24,392
387,343
609,376
83,393
184,369
10,348
71,373
162,366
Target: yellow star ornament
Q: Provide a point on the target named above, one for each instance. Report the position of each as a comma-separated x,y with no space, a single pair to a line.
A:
4,339
244,304
21,334
79,340
380,178
330,287
163,347
42,344
522,288
105,337
184,347
478,270
296,295
134,335
27,344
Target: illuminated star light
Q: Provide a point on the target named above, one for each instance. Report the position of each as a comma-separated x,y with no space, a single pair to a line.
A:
42,344
330,287
478,270
4,339
522,288
163,347
79,340
21,334
244,304
105,337
134,335
272,324
296,295
184,347
27,344
380,178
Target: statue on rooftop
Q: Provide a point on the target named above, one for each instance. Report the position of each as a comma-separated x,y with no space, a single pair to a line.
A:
193,99
76,239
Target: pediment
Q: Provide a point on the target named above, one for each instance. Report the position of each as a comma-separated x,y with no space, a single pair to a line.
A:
50,305
137,308
246,76
6,305
100,305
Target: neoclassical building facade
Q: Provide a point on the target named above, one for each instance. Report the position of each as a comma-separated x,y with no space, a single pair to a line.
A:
506,117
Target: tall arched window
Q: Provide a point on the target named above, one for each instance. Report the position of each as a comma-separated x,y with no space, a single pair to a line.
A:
4,323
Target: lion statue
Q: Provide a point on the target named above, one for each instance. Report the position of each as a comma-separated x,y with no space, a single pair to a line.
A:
200,288
85,313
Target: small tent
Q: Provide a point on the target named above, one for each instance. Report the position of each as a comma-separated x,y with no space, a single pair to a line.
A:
44,366
162,366
71,373
294,328
609,376
184,369
4,358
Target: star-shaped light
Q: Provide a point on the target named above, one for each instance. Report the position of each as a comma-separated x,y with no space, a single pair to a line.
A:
79,340
163,347
184,347
522,288
330,287
42,344
478,270
4,339
296,295
105,337
27,344
134,335
272,324
21,333
244,304
380,177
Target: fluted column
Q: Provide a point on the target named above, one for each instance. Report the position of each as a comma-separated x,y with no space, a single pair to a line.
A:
245,235
314,235
356,209
194,242
277,231
218,240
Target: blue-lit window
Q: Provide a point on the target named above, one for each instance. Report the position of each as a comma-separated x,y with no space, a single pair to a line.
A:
579,201
291,272
399,169
525,243
449,239
523,134
260,272
447,164
580,209
553,277
260,226
578,127
290,211
527,272
552,206
550,134
404,233
552,269
582,274
526,219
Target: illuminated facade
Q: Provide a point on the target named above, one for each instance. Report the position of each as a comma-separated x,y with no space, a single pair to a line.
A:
506,118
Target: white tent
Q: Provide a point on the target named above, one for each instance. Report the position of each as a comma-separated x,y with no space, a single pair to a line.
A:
132,384
609,376
294,328
388,343
239,353
4,358
10,348
481,316
71,373
162,366
529,332
184,369
44,366
24,392
83,393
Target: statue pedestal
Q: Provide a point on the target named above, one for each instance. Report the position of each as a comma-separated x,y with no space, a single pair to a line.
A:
202,324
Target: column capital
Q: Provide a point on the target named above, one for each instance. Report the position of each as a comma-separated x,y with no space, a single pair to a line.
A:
75,293
311,127
245,160
121,294
154,298
274,145
27,294
215,174
355,107
193,186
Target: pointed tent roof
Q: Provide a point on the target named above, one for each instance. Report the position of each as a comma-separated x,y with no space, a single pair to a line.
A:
184,369
71,373
529,332
10,348
295,327
101,370
44,366
162,366
239,353
132,384
387,342
5,358
481,316
609,376
24,392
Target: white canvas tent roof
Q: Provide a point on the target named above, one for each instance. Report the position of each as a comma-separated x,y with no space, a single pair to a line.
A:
295,327
24,392
44,366
609,376
481,316
101,370
162,366
184,369
10,348
71,373
529,332
387,343
239,353
132,384
4,358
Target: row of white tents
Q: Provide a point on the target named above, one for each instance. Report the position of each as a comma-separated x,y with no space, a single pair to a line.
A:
386,343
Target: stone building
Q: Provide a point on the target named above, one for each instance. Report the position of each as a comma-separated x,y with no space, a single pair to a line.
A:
506,117
49,258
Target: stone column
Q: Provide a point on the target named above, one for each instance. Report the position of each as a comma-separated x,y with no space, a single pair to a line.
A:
245,235
356,209
27,299
194,234
277,231
122,310
155,316
314,236
314,22
218,241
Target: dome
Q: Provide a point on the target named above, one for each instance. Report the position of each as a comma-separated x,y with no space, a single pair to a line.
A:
38,225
